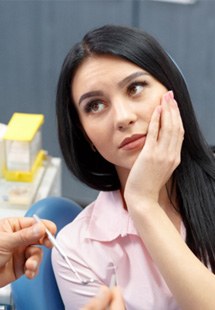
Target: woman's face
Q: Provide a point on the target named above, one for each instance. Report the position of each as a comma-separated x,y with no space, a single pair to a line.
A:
115,100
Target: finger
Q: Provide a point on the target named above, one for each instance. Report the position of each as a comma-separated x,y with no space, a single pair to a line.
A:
29,221
117,299
153,130
34,257
176,131
52,229
27,236
171,129
26,258
50,226
178,122
46,242
18,223
30,235
27,231
167,122
101,301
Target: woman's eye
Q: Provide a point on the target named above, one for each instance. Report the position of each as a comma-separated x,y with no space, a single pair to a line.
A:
94,106
136,88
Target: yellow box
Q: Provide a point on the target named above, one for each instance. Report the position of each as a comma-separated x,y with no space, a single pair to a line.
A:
23,126
23,147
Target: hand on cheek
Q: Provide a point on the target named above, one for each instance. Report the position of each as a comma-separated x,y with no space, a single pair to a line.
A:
171,131
160,154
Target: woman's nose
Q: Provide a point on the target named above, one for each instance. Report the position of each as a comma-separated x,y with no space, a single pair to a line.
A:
124,115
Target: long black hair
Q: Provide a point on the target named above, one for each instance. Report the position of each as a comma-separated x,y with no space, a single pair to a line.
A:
194,178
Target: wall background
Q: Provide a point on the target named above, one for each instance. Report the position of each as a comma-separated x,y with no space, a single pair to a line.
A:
36,35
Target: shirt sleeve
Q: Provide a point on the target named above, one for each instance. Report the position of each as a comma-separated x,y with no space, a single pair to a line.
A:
90,261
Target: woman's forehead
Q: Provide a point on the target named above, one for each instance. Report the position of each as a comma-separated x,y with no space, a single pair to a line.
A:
102,70
100,66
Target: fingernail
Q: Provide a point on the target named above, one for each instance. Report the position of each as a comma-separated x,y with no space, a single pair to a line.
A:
171,94
166,97
32,274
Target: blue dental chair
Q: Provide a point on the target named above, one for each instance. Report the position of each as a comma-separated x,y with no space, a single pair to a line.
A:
42,292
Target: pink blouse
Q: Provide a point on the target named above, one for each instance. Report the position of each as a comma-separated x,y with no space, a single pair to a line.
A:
103,241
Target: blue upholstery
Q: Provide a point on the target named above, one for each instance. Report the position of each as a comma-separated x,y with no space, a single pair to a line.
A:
42,292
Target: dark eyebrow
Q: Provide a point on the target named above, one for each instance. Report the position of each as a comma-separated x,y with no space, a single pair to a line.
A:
90,94
131,77
121,84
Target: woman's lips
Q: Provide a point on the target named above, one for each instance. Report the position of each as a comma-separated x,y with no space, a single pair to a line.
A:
133,142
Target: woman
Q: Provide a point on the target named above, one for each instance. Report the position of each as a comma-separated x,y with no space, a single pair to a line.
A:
128,129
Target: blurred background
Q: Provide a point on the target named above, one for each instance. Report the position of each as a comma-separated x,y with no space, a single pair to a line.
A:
36,35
